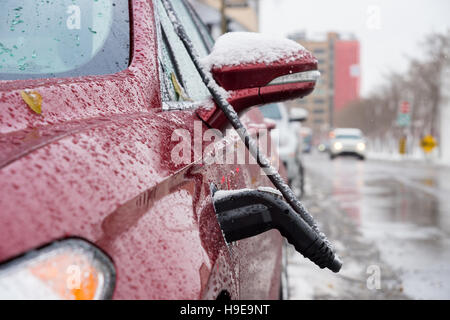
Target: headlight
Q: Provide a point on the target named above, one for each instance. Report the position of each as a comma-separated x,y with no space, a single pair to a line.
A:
70,269
361,146
337,146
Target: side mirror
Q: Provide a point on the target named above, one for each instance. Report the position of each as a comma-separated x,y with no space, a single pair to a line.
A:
258,69
298,115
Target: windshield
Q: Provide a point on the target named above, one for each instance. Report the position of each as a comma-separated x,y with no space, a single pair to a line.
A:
347,136
40,39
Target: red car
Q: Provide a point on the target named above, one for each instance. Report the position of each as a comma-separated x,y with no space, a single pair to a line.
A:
93,96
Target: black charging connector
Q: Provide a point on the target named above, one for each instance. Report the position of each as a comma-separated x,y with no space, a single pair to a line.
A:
246,213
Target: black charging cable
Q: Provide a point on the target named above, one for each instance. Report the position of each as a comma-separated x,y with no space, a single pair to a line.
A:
236,123
247,213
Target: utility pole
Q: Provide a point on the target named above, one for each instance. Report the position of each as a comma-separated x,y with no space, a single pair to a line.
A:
223,16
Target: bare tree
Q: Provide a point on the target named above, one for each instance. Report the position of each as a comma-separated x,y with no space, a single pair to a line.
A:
421,86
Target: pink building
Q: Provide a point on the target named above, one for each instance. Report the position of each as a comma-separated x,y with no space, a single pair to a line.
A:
346,72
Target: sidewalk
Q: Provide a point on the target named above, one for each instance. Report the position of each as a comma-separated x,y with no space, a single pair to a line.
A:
416,158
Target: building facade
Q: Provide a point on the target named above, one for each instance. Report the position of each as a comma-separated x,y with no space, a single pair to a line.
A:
242,15
339,84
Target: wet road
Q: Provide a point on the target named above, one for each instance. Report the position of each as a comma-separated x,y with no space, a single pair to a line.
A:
389,220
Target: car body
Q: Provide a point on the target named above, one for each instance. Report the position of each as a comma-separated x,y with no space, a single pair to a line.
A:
347,141
97,166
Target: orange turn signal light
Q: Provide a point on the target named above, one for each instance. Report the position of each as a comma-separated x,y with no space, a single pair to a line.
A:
71,269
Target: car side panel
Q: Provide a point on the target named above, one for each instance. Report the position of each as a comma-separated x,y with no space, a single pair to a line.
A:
96,164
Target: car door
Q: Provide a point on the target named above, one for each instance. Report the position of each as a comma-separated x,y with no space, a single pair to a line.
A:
255,261
182,91
98,163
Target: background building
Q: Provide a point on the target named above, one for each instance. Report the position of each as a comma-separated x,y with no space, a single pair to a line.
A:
339,84
242,15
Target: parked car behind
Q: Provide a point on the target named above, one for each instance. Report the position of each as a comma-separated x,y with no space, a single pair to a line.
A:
287,135
347,141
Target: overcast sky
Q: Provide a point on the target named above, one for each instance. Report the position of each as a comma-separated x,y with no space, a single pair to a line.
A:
388,30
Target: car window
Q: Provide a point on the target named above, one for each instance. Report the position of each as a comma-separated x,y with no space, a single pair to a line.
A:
204,31
177,66
42,39
191,28
168,73
271,111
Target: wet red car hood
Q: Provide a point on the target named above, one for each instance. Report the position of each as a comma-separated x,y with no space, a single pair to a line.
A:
95,164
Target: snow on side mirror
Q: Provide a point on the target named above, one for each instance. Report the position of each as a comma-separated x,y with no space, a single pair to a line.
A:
258,69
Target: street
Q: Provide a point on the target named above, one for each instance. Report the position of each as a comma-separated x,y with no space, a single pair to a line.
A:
389,221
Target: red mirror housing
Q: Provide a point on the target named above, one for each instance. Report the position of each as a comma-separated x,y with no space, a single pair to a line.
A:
259,75
254,83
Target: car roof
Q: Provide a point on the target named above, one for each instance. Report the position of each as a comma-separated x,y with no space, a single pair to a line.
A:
348,131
